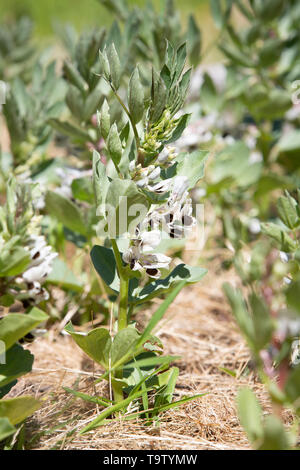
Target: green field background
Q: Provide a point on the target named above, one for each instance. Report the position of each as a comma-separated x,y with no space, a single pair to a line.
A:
84,13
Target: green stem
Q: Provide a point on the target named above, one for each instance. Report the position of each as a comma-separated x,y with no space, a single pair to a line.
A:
122,316
136,135
123,306
124,284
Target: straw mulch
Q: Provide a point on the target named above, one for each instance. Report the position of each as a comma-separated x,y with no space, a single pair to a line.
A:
198,327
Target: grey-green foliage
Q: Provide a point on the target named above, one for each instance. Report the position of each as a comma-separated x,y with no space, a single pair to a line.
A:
20,240
283,233
268,329
16,224
28,109
84,94
264,433
136,97
255,52
136,35
167,93
17,363
17,51
146,30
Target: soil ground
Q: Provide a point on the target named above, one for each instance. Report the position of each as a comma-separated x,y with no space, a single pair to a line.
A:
198,327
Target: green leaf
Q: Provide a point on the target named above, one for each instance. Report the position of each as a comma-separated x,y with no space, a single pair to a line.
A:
250,414
182,272
105,264
65,211
209,95
18,409
16,325
15,262
240,312
292,386
104,120
287,209
63,277
115,66
18,362
293,295
96,343
180,60
109,411
192,166
114,144
104,63
193,41
136,97
100,181
233,162
82,189
219,12
74,77
70,130
274,105
270,52
6,300
86,397
168,382
262,321
124,343
285,242
182,122
275,437
101,419
289,148
158,97
159,313
6,428
236,56
290,142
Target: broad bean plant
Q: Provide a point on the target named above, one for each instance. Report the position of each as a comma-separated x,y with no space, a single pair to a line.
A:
142,196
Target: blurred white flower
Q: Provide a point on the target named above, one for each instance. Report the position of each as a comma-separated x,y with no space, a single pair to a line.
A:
283,256
254,226
40,267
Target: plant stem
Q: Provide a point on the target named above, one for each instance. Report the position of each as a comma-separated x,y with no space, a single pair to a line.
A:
124,284
136,135
122,316
123,306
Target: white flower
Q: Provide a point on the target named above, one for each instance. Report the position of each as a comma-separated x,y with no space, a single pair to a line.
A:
180,186
295,352
37,292
154,174
149,240
283,256
39,272
167,155
254,226
143,176
151,263
41,265
255,157
162,187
